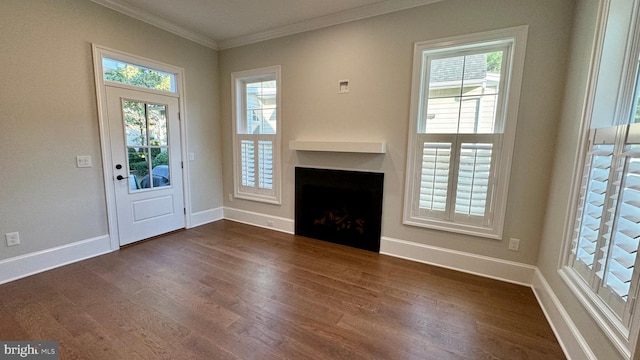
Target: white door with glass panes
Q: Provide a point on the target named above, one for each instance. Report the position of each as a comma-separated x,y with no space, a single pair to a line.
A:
146,155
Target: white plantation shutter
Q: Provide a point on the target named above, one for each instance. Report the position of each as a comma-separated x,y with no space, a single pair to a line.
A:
607,236
593,204
434,177
247,163
455,177
256,162
620,260
607,249
265,164
474,175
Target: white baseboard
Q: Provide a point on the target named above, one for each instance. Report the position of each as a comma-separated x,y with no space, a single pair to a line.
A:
205,217
573,344
485,266
259,220
29,264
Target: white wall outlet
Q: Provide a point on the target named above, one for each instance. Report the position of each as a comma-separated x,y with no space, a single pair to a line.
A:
83,161
230,197
192,156
13,238
514,244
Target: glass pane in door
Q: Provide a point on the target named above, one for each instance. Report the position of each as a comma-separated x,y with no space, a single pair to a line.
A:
135,122
160,167
157,125
138,166
147,144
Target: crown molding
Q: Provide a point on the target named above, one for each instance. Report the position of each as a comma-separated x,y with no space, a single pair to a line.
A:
343,17
359,13
144,16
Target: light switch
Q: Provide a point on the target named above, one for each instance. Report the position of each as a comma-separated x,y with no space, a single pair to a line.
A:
83,161
514,244
13,238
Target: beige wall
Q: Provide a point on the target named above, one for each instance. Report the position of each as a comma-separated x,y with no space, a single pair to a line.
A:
49,116
376,56
558,198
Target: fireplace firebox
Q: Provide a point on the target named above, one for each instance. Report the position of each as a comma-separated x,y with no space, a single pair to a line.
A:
339,206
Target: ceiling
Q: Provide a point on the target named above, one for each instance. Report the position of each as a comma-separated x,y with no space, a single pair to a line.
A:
221,24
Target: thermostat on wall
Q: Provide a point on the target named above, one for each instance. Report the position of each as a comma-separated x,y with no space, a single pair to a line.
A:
343,86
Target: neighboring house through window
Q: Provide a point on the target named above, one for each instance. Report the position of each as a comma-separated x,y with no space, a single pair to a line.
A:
463,117
256,141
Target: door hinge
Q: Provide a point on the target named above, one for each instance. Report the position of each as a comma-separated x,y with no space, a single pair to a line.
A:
182,164
179,116
185,210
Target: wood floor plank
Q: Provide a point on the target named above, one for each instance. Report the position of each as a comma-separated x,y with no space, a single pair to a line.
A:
11,329
230,291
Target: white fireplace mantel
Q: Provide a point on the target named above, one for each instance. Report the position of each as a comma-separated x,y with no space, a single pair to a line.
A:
366,147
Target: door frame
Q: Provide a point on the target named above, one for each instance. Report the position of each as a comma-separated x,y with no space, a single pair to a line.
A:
105,140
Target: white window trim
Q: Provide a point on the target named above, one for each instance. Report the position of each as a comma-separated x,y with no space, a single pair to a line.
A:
518,37
624,340
241,192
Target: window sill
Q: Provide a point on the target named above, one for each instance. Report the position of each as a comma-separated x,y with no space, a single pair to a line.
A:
485,232
258,198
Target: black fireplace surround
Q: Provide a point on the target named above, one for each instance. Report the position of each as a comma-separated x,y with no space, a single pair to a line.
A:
339,206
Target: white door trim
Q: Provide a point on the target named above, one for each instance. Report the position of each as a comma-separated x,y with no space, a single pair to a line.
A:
105,144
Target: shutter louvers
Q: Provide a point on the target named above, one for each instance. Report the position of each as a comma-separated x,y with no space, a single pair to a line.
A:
473,179
594,203
265,164
434,176
611,205
626,236
581,207
247,163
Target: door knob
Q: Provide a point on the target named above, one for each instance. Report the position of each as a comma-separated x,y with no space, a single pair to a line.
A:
118,166
120,177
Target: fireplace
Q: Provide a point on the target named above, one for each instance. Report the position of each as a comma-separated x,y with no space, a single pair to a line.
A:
343,207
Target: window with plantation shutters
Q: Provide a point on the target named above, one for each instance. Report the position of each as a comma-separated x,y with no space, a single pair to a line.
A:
463,116
602,234
256,138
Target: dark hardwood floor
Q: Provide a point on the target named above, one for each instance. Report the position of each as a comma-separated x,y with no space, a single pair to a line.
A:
231,291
